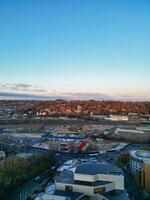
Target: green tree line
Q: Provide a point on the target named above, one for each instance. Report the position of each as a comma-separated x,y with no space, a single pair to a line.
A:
14,171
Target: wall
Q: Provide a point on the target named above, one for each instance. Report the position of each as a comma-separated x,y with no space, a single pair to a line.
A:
117,179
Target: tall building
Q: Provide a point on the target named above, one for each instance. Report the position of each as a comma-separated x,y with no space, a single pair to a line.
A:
140,163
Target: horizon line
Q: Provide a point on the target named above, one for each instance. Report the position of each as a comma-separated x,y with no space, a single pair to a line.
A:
71,96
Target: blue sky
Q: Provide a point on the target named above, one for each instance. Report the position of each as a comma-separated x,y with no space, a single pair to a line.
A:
59,47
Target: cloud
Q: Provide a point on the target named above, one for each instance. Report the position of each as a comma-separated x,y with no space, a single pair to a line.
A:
30,92
22,87
67,96
15,86
22,96
40,90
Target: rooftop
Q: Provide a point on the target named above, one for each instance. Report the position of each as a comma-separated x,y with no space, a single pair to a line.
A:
98,168
141,155
66,176
119,196
72,195
129,131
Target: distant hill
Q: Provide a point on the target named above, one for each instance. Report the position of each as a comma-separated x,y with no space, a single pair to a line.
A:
73,107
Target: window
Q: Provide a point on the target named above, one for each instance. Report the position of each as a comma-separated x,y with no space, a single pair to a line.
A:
68,188
99,190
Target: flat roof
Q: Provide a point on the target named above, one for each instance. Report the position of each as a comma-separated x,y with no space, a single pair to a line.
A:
141,155
66,176
72,195
129,131
119,196
98,168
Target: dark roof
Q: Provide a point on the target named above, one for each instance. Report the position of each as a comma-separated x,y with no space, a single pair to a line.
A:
72,195
95,183
120,196
65,177
97,168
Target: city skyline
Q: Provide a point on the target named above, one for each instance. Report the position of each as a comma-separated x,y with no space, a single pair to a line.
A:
75,49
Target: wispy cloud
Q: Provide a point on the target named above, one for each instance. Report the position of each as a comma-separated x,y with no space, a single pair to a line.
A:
35,92
22,87
15,86
40,90
23,96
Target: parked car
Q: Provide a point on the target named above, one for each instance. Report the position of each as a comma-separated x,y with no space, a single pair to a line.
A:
38,179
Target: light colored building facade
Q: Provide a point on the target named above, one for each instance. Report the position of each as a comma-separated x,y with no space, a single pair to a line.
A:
118,117
90,181
93,180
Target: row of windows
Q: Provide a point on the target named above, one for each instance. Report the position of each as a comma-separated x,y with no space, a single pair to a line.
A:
99,190
96,190
95,183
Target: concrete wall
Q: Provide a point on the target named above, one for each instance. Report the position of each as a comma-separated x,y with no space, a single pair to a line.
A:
88,190
117,179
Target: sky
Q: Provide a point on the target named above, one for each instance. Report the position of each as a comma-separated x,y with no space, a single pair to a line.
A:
75,48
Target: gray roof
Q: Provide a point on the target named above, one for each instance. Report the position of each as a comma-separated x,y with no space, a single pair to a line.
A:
65,177
99,168
72,195
120,196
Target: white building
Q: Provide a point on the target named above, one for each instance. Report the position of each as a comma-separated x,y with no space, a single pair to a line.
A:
95,180
118,117
122,131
